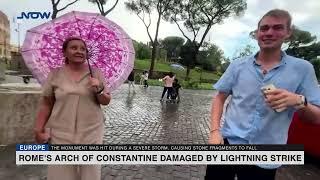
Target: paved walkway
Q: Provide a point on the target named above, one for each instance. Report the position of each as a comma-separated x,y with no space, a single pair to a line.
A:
139,118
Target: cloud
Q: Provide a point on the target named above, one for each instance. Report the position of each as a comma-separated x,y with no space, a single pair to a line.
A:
234,32
229,36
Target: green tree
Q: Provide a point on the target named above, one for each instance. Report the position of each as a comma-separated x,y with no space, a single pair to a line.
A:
101,3
300,37
307,52
142,50
55,9
210,57
187,55
225,65
201,15
303,45
243,52
172,45
145,8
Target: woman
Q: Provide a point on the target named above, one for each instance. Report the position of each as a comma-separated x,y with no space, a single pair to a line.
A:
70,108
131,79
168,81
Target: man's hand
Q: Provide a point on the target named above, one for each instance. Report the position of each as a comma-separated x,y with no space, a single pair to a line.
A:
215,137
281,98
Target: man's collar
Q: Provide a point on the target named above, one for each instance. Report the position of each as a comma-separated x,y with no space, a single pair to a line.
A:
282,61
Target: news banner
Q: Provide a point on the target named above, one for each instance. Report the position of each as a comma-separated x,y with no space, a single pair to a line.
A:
46,154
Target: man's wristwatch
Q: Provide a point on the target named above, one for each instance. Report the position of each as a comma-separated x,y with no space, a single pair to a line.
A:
303,102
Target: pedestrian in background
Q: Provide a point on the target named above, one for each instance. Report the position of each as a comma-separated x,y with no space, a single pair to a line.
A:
175,93
131,80
142,78
145,78
167,86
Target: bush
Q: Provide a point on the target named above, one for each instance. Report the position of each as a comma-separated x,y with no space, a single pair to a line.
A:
158,74
210,81
190,84
155,82
206,86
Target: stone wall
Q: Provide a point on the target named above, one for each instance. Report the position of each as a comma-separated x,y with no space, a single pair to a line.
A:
17,114
2,70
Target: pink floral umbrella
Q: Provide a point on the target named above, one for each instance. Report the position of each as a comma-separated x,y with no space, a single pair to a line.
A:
110,48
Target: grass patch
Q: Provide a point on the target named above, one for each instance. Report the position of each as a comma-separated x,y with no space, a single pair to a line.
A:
206,78
184,84
206,86
155,82
165,67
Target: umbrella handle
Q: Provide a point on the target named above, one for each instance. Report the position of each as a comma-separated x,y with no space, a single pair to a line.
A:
90,70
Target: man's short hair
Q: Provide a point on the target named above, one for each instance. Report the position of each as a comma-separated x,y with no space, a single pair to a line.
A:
278,13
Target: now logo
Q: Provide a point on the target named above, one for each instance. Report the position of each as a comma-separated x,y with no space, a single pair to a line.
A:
34,15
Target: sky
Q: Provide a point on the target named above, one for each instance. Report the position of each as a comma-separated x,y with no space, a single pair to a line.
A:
231,36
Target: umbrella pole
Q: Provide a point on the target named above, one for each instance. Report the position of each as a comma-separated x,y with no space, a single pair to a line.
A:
90,70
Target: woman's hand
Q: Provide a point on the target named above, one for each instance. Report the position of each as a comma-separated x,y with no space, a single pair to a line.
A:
42,137
95,84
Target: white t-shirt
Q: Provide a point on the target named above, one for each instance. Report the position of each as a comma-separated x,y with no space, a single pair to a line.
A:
145,76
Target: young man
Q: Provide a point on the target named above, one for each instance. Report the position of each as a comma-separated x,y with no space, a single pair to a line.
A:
254,117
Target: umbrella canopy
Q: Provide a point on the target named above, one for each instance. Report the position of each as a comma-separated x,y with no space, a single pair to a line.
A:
110,48
177,66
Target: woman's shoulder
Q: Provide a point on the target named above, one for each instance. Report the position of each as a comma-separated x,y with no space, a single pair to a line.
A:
56,70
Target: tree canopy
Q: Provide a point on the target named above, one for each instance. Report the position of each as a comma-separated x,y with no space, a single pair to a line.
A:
198,17
172,45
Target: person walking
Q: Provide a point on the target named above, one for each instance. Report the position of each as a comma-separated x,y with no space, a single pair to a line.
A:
131,80
145,78
167,87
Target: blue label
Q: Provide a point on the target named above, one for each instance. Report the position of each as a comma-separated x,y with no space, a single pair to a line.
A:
34,15
32,147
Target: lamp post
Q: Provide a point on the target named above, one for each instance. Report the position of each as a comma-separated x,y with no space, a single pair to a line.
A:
18,31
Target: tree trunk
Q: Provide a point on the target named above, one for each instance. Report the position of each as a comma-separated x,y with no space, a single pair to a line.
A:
153,58
187,74
154,46
194,56
54,13
201,74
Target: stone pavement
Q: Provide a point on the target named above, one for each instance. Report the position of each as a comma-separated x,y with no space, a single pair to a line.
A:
140,118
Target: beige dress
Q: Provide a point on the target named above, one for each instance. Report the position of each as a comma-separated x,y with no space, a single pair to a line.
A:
76,118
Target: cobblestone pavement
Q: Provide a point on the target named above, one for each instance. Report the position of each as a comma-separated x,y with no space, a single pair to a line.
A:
140,118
